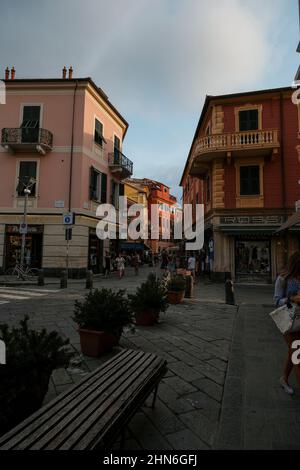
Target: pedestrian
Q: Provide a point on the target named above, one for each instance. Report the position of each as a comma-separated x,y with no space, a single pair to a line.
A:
136,263
107,264
192,264
120,265
287,289
164,261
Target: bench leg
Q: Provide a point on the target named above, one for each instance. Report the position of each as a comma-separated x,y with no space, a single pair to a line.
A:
154,396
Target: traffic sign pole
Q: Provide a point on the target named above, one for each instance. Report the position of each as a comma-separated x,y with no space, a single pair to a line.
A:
23,232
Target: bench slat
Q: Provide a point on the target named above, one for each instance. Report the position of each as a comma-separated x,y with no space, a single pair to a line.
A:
90,431
64,426
91,413
41,416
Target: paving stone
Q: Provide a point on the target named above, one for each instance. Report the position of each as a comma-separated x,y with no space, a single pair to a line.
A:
202,426
211,372
218,364
146,434
210,388
61,377
184,371
179,385
186,440
201,401
163,418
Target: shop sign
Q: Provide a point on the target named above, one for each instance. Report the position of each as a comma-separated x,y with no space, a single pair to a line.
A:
252,220
30,229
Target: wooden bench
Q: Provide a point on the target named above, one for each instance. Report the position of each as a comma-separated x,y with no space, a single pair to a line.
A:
93,413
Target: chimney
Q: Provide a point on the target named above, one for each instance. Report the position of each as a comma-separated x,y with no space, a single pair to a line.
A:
13,73
70,73
7,73
64,72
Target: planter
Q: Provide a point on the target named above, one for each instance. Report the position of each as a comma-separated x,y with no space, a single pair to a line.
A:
146,318
175,297
95,343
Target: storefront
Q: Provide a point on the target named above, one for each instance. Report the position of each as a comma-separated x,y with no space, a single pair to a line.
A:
33,246
252,259
95,253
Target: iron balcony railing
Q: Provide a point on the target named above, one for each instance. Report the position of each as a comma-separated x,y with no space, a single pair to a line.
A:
117,159
14,136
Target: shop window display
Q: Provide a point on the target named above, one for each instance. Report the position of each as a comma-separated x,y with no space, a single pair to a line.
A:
252,257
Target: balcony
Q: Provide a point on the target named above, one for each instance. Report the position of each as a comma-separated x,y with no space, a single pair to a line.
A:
120,165
237,144
26,139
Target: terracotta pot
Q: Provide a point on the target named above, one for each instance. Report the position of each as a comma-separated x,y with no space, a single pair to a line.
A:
175,297
95,343
146,318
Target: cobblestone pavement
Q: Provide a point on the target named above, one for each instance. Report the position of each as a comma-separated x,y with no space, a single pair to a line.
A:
202,403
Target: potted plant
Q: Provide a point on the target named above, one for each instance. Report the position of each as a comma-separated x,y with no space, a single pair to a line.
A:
149,300
176,289
31,357
101,318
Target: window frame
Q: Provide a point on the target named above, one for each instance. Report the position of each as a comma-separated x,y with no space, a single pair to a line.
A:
100,144
249,194
31,195
248,107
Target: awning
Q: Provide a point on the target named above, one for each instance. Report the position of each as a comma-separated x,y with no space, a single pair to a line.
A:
133,246
290,222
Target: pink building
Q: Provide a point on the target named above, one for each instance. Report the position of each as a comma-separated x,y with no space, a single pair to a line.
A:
67,135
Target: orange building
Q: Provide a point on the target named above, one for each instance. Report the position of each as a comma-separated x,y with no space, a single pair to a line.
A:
244,167
159,193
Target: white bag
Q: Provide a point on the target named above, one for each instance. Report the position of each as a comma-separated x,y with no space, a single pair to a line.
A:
286,318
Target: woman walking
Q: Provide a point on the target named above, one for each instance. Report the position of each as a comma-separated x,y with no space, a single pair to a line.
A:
287,289
120,265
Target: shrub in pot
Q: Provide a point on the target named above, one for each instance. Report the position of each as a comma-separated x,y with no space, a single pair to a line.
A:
31,357
176,289
149,300
101,318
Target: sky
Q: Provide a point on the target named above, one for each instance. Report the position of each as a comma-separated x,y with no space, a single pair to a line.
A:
155,59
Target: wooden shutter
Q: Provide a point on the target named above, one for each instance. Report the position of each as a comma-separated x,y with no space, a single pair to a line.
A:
103,188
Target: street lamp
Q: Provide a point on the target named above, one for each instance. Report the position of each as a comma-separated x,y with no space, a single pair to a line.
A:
27,191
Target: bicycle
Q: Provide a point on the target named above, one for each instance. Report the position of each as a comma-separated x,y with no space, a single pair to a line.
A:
23,273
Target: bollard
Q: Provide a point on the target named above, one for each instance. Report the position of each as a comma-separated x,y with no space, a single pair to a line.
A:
63,280
41,279
189,289
89,280
229,292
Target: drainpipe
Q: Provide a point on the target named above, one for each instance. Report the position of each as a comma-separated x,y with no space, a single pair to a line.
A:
283,174
72,147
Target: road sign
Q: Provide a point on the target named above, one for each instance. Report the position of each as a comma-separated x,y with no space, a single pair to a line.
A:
68,218
23,228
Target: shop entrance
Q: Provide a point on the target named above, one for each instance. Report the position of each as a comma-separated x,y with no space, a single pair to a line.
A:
95,261
33,246
253,260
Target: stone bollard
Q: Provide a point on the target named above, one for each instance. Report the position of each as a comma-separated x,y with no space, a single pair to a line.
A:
89,280
41,278
189,289
229,292
63,280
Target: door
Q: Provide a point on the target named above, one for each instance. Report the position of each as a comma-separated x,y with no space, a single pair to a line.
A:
30,124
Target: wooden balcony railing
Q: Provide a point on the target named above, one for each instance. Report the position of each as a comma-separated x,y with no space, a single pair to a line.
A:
237,141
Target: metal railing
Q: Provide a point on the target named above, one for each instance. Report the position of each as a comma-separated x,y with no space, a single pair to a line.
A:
117,159
26,135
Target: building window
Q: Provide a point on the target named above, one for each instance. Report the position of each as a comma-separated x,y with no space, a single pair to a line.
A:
249,180
30,124
98,135
98,186
27,170
248,120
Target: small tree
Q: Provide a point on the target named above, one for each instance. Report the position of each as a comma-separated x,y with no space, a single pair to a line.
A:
151,295
31,357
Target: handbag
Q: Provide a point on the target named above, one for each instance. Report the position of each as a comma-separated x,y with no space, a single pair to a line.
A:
286,318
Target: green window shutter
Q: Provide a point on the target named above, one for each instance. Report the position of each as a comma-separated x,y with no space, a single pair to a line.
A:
121,189
103,188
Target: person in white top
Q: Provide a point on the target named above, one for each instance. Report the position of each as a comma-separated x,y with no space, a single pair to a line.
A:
192,264
120,265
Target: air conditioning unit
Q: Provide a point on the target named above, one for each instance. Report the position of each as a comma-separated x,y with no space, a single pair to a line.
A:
297,205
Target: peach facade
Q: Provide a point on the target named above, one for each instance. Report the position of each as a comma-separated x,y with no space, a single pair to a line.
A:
68,109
